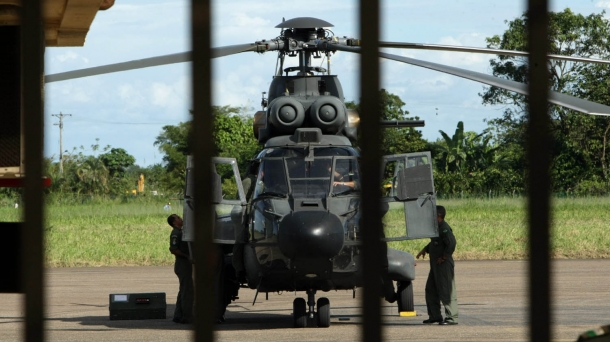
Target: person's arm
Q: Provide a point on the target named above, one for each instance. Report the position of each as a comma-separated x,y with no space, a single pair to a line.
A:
174,246
351,184
345,181
179,253
449,242
423,252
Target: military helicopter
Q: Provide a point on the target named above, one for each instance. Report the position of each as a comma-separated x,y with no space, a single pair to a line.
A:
300,229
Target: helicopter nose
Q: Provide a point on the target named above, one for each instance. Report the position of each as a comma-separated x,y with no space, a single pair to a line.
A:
310,234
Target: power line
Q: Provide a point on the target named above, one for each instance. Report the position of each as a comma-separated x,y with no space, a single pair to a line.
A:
123,123
61,140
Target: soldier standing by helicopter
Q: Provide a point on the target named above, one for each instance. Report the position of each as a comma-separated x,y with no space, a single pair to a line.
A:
183,269
440,287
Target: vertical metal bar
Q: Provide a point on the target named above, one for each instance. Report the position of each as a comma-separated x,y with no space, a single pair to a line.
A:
32,252
371,172
202,145
538,153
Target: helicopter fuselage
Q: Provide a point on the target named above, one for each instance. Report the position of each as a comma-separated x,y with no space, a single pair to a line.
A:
303,220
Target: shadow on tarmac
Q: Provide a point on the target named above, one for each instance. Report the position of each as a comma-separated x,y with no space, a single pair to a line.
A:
248,320
104,321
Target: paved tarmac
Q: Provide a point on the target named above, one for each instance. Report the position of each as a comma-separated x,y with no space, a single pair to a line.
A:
492,299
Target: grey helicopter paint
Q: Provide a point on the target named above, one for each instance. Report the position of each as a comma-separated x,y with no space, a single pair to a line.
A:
302,226
302,230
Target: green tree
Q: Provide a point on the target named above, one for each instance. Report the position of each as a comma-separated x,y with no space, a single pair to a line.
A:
234,134
396,140
468,162
233,137
173,143
82,175
92,176
580,141
453,154
117,160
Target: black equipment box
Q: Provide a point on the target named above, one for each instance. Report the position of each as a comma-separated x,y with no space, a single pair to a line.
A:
137,306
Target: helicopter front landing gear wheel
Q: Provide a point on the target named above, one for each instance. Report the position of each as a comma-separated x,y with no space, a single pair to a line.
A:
405,297
299,312
323,312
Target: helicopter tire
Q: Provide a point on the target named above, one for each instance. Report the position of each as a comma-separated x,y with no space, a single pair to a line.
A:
323,312
299,312
405,297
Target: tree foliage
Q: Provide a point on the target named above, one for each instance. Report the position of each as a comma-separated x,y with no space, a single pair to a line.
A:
579,141
233,137
469,162
396,140
173,144
117,160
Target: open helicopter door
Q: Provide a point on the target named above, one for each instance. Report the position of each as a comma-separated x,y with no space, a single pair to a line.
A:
228,198
408,189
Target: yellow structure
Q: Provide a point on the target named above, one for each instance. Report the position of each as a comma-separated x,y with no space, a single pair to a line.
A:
141,183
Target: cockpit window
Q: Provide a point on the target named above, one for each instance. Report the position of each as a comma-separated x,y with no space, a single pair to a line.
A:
335,151
417,161
299,152
299,178
309,179
346,177
271,178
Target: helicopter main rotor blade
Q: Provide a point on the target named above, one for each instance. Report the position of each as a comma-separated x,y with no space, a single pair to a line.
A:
418,46
147,62
560,99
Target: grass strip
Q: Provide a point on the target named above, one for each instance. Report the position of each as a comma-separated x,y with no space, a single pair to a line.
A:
124,234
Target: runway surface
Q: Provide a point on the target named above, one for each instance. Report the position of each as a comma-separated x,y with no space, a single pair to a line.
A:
492,298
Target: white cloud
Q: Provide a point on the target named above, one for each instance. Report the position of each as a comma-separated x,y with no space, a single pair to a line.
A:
169,95
460,59
603,4
76,93
131,95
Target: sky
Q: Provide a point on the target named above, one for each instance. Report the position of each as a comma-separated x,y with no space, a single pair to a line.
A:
128,110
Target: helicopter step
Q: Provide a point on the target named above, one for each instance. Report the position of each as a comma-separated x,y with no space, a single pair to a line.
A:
304,318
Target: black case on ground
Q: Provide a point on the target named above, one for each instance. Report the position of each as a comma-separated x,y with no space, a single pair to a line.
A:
137,306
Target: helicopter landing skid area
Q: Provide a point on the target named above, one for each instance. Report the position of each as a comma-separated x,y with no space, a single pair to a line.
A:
492,298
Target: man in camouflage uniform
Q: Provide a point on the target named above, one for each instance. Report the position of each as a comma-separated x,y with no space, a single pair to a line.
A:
440,287
183,269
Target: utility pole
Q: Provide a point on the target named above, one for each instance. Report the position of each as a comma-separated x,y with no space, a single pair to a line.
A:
61,140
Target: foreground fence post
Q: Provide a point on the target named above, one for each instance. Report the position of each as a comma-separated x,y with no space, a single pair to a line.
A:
32,252
538,153
371,174
203,146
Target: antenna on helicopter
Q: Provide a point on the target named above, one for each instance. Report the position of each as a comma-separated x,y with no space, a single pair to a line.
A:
263,100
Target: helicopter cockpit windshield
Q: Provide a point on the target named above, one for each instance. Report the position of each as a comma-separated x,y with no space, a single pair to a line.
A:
332,172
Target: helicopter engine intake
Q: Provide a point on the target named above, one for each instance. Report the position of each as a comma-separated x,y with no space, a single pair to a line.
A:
328,114
286,115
